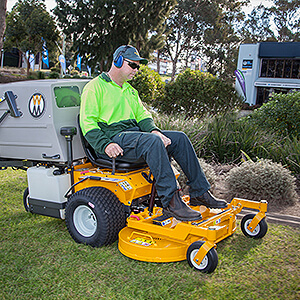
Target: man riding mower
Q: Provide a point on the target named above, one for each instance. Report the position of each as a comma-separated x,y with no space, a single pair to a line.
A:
102,184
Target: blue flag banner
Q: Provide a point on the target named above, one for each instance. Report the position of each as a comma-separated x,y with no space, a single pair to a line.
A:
241,79
62,61
79,62
45,54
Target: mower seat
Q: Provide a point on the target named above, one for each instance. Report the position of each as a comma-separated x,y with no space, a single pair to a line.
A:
120,165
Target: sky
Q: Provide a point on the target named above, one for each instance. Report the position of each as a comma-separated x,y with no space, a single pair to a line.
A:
50,4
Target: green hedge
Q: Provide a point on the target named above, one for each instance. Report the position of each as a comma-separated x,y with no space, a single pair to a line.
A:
281,115
195,93
149,85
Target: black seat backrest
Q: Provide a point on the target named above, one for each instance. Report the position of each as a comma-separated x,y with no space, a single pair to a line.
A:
106,163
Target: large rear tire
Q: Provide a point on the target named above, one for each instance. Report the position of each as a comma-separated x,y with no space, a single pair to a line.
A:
94,216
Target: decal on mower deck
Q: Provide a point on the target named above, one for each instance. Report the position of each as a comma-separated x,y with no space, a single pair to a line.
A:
142,241
217,221
125,185
164,223
101,178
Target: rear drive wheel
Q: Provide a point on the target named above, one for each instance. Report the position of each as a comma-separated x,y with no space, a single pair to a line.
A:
94,216
209,262
259,231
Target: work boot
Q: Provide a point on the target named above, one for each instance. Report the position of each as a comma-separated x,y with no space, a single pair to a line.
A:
179,210
208,200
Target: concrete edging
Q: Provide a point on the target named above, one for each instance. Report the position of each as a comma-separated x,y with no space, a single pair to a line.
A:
275,218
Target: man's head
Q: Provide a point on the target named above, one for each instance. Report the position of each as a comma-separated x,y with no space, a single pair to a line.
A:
127,53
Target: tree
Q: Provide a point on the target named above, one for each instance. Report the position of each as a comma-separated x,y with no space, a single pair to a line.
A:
3,4
27,24
286,16
281,23
257,27
99,27
206,28
184,29
222,41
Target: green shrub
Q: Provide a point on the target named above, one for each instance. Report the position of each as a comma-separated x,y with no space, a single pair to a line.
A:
74,72
224,136
221,139
40,75
56,68
262,180
207,169
53,75
195,93
149,85
280,115
33,75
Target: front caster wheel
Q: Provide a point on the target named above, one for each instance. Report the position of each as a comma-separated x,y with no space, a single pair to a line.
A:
209,262
259,231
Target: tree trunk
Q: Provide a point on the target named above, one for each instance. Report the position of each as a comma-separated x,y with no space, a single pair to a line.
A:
2,21
158,62
40,60
20,59
173,70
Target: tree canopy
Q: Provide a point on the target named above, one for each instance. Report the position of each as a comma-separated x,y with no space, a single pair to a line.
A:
27,24
99,27
183,31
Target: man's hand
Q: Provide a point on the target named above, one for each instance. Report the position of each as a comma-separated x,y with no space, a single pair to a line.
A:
113,150
165,139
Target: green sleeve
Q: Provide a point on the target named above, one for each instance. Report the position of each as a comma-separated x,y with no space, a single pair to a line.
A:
98,140
147,125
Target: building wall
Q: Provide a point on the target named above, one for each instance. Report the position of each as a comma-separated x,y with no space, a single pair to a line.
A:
268,67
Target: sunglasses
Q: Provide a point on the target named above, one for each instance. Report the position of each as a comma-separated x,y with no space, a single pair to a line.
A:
132,65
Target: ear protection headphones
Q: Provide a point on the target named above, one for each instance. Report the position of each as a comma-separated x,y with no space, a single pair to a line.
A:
118,61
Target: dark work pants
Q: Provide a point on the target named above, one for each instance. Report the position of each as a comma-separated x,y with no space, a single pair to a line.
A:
150,148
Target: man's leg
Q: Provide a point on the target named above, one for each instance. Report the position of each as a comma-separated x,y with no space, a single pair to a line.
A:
149,147
183,152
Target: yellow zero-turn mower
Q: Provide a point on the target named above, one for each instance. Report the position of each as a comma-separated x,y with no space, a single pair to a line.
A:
102,201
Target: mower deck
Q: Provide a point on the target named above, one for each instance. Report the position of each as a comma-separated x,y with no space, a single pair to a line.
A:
155,238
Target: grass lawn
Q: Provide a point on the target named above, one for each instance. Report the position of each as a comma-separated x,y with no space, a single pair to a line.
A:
39,260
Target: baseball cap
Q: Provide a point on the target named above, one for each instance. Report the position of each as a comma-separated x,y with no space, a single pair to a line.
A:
129,52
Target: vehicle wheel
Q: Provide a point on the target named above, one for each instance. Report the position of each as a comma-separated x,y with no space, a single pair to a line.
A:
259,231
25,199
209,262
94,216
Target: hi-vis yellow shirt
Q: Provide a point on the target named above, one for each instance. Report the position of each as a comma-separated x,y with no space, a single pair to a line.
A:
107,109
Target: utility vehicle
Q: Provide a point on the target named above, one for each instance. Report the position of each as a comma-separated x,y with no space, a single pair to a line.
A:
103,200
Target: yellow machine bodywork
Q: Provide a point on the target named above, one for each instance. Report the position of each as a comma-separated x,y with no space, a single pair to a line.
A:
144,240
149,235
127,186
